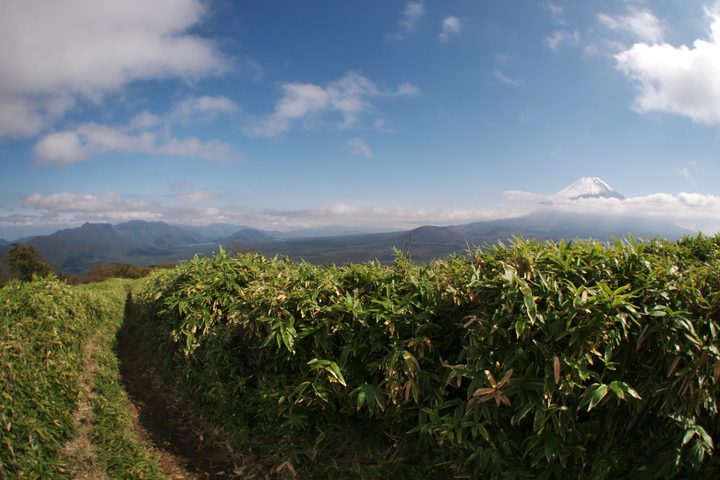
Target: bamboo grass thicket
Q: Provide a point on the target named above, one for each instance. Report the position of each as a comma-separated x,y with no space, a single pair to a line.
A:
535,360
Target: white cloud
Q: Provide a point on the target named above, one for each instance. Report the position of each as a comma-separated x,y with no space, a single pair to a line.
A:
91,139
409,19
641,24
62,148
689,210
560,38
107,201
683,81
509,81
203,108
685,173
556,11
305,101
358,147
450,26
194,197
55,53
388,217
63,209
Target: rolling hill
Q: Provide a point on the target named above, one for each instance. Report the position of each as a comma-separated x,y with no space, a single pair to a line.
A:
144,243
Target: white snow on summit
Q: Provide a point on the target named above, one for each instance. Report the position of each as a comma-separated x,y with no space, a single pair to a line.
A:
589,187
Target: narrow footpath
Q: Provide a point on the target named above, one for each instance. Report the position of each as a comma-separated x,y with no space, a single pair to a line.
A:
181,438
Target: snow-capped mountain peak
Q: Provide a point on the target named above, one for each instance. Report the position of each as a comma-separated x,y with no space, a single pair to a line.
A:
589,187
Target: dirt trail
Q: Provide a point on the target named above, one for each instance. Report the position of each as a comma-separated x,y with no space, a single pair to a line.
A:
80,448
179,436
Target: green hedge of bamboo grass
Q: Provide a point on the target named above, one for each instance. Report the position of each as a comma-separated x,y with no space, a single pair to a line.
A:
43,327
538,360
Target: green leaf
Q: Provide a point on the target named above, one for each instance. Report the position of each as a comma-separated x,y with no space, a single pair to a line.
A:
597,396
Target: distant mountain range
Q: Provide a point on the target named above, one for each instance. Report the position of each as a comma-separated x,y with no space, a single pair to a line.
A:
143,243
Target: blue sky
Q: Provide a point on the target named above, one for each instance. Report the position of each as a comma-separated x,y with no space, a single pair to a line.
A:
373,115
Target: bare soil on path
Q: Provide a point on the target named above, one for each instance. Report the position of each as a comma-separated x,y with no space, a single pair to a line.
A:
180,437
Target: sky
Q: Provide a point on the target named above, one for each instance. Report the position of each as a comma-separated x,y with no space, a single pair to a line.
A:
374,115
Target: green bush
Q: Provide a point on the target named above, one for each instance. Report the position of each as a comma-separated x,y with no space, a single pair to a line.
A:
541,360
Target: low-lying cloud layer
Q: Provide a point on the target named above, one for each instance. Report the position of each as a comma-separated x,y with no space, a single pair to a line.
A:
692,211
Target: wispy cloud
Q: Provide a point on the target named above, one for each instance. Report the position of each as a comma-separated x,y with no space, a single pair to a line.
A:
177,186
560,38
450,26
683,81
556,11
641,24
358,147
305,102
204,108
194,197
409,20
49,71
509,81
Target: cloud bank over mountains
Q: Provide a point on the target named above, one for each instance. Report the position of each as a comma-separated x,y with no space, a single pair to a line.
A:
692,211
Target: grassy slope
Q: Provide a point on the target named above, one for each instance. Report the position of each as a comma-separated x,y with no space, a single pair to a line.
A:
44,327
116,445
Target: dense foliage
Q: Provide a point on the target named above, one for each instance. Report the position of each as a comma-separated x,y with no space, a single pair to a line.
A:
99,272
27,261
540,360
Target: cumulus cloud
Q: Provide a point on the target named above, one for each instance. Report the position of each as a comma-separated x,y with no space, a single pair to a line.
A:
409,19
65,209
560,38
450,26
358,147
683,81
90,139
305,102
141,135
641,24
56,53
107,201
